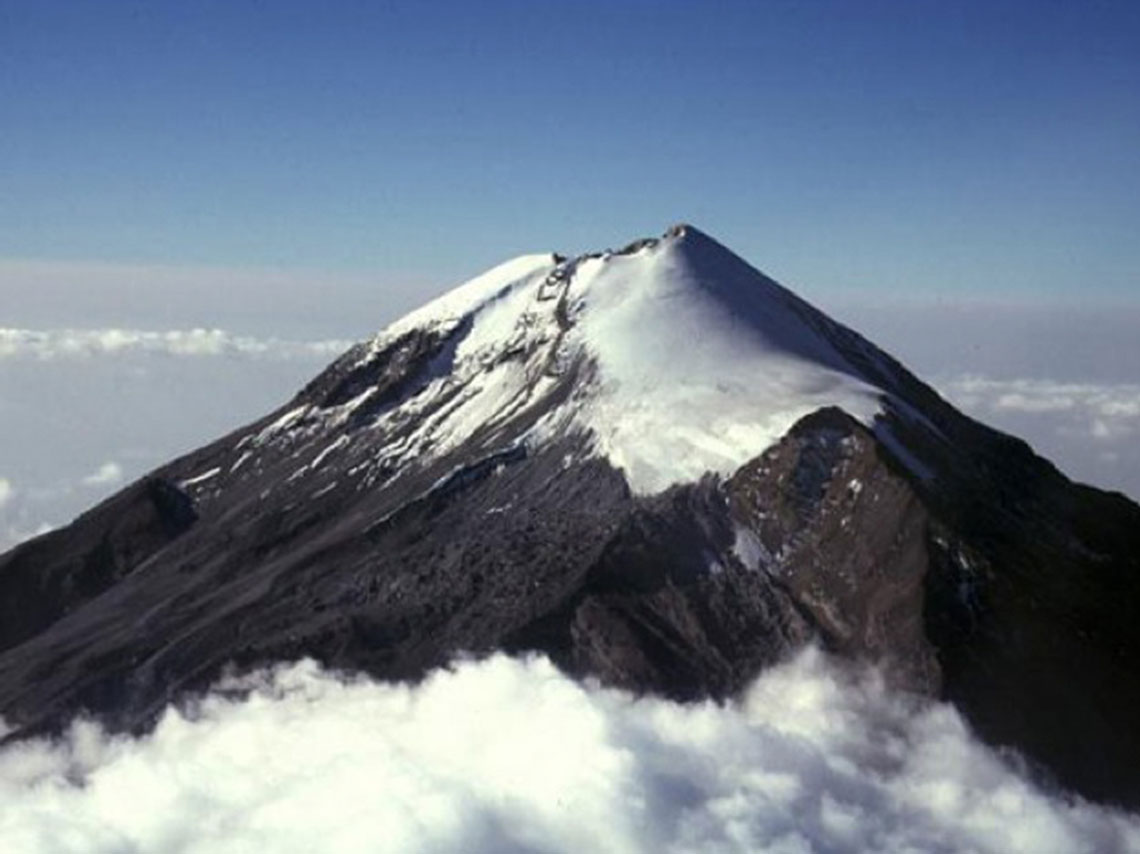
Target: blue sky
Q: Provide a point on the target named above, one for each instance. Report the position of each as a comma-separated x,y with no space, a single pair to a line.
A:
903,146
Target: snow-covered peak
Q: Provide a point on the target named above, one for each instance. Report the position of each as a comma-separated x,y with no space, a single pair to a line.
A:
688,288
673,356
702,362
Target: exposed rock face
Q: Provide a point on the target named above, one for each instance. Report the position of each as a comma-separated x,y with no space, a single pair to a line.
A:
42,581
361,526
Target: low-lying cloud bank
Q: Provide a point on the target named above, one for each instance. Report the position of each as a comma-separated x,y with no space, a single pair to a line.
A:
1096,410
508,755
1088,428
85,343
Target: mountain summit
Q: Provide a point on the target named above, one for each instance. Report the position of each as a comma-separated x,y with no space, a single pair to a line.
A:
655,465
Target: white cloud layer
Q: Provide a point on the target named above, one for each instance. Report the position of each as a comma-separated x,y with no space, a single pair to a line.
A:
508,755
107,474
6,491
1089,429
1099,410
86,343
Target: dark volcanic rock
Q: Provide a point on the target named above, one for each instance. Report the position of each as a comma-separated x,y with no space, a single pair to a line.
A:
44,579
338,528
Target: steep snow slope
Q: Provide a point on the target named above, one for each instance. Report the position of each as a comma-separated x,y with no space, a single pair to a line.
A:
686,359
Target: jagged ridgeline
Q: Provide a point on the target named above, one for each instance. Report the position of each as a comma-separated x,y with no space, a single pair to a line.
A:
657,466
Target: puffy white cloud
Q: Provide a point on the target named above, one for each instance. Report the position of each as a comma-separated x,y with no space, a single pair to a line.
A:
107,474
510,755
81,343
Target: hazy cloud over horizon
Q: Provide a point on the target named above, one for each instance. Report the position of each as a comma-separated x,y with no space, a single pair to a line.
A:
1088,429
87,343
249,303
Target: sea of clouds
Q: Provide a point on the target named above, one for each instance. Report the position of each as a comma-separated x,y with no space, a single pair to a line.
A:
509,755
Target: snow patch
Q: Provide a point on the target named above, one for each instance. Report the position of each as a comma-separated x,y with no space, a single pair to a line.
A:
200,478
469,297
339,443
324,490
286,421
703,363
749,549
692,361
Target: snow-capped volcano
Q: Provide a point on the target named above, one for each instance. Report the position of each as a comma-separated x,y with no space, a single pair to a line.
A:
655,465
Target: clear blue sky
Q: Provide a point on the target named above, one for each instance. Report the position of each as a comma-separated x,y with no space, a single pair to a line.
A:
910,145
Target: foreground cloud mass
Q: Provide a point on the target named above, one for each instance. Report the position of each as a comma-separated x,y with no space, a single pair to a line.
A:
509,755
